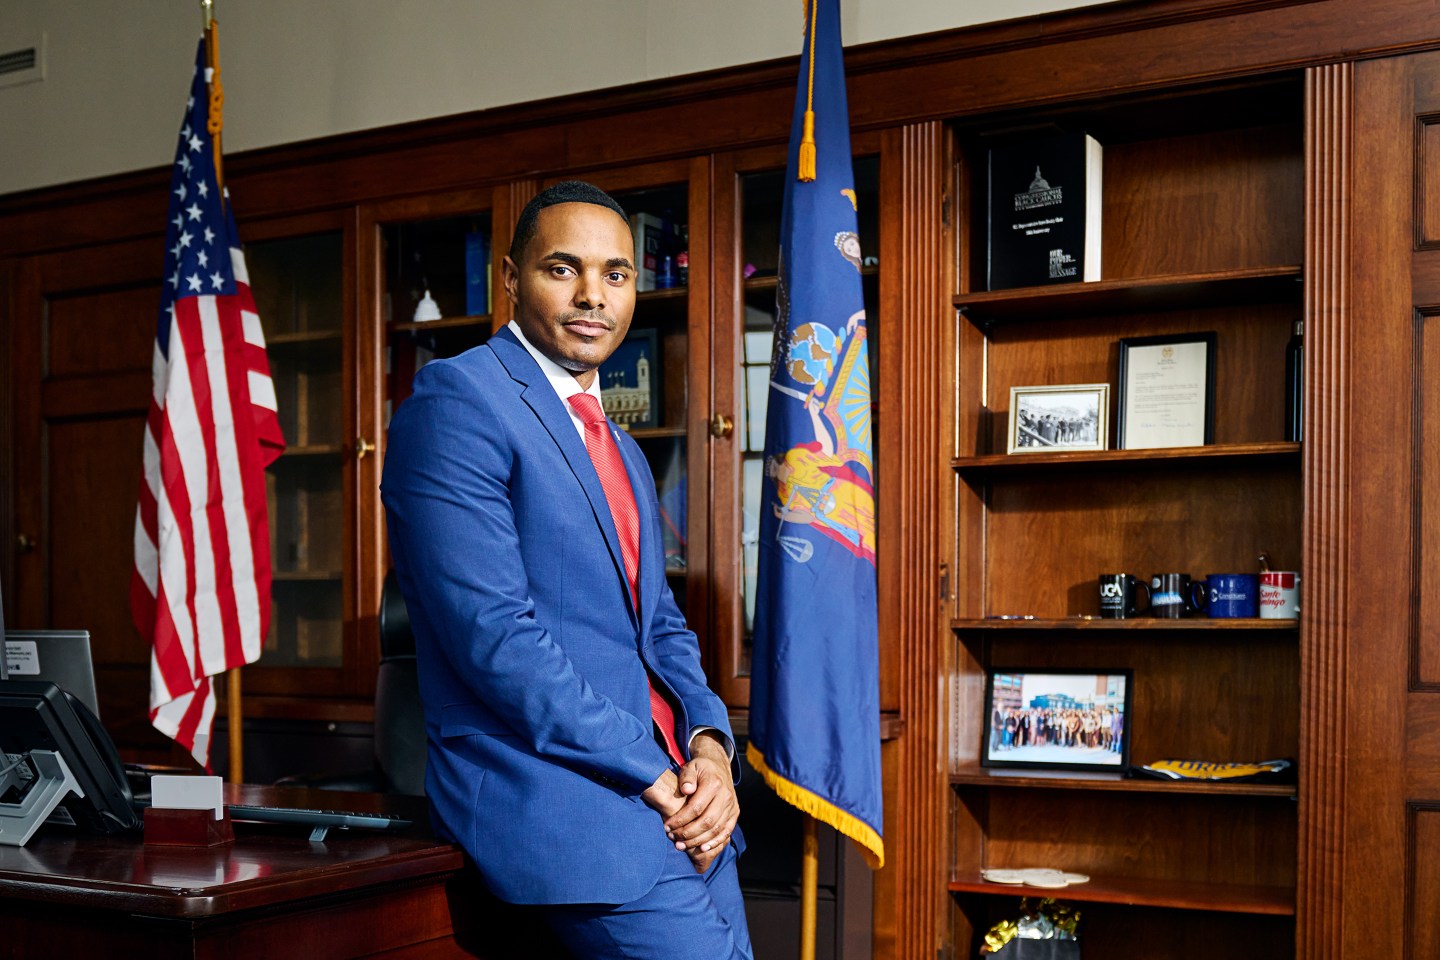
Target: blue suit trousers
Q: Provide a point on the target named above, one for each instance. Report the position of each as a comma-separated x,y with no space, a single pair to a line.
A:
685,916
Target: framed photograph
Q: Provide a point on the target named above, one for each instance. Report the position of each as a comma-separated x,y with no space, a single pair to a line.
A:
630,381
1057,719
1072,416
1167,391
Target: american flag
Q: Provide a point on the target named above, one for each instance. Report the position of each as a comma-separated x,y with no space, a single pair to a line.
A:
201,586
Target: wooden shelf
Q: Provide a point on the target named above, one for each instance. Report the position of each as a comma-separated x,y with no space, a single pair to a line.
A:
313,450
651,433
976,776
668,293
1231,452
302,336
444,323
307,576
1180,291
1133,624
1140,892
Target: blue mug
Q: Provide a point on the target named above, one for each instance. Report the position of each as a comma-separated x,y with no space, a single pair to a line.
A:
1233,595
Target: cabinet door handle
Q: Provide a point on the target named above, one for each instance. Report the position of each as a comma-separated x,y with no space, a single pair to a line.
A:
363,447
721,426
24,543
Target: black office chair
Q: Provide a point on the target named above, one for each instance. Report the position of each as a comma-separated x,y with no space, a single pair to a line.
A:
399,736
399,719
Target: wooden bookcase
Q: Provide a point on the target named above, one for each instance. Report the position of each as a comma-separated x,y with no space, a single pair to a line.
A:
1202,218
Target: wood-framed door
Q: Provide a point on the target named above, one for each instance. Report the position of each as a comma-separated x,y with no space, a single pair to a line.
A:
1370,748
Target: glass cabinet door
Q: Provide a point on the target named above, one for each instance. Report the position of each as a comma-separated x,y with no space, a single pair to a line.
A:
745,327
439,277
298,289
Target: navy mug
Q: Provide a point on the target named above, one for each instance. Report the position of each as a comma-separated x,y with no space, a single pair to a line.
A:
1232,595
1173,596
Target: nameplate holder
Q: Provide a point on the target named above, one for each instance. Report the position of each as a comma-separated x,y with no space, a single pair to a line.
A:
187,828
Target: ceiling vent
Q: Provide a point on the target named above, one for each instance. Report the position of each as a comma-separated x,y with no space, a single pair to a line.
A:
25,64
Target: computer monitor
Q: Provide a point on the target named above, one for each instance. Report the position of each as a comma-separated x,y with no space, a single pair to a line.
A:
60,656
39,721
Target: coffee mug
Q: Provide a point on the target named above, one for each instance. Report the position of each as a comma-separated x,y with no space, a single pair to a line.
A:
1232,595
1279,595
1173,596
1117,595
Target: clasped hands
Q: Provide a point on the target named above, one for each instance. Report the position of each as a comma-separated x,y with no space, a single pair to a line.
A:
699,803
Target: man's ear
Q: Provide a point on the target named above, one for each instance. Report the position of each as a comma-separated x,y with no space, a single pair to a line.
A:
511,278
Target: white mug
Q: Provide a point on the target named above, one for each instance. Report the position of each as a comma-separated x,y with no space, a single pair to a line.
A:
1279,595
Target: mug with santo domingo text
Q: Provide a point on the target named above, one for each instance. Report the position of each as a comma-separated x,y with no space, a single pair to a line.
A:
1279,595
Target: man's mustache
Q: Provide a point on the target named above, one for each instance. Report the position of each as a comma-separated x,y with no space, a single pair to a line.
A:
588,317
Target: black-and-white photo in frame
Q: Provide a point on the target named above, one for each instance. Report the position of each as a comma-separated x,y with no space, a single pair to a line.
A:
1062,417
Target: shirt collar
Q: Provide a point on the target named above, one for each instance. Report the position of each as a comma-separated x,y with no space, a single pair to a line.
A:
562,380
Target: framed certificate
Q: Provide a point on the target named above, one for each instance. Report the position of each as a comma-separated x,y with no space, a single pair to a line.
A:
1167,391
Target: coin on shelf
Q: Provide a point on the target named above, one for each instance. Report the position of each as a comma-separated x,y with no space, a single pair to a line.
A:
1077,878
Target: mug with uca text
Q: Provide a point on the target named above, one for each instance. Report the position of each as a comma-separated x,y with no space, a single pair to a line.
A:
1173,596
1279,595
1118,600
1232,595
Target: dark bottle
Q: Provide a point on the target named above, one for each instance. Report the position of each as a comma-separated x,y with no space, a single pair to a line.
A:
1295,384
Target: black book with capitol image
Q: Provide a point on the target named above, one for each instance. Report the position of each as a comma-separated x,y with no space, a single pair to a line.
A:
1044,211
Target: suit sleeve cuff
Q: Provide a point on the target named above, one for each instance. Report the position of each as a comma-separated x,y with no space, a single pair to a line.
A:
695,731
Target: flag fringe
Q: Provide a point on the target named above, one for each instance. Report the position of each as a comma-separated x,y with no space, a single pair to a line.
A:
872,847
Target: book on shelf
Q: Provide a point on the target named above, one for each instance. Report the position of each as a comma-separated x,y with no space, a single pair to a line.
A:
1044,212
653,240
477,273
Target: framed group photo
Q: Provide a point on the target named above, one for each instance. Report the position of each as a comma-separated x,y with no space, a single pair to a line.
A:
1054,418
1057,719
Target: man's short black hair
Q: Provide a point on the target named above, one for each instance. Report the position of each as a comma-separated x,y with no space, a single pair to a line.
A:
567,191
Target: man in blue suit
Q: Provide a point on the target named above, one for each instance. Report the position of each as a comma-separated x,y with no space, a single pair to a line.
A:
575,750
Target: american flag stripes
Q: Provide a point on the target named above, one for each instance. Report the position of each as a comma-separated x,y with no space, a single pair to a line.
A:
201,586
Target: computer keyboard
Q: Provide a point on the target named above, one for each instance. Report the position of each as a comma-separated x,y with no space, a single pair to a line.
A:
316,818
320,822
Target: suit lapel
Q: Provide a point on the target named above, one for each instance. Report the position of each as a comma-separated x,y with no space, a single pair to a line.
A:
548,408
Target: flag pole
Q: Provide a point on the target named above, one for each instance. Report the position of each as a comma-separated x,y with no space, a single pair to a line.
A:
809,883
233,705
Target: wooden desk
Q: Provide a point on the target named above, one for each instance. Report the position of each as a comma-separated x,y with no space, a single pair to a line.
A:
272,893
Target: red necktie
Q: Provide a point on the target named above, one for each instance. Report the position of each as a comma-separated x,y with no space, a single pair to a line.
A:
605,455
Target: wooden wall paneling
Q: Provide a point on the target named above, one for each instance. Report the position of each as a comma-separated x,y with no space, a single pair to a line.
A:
9,308
1329,145
916,377
1420,785
510,199
29,588
1359,307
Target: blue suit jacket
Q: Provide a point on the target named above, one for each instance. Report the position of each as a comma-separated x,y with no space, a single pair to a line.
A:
529,649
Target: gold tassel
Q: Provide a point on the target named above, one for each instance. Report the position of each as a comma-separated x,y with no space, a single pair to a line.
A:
806,161
807,149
